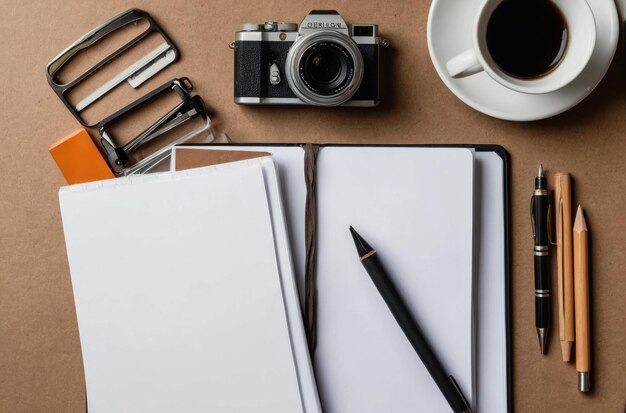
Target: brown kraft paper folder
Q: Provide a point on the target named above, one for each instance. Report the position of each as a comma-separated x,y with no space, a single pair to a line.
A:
188,158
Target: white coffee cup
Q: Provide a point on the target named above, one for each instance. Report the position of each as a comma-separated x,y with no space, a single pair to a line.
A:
581,41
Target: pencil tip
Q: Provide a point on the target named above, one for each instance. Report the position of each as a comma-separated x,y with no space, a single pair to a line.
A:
580,223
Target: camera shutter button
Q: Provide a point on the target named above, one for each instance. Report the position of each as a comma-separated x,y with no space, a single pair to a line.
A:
274,75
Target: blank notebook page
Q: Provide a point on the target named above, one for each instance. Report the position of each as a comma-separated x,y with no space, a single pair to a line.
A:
414,206
491,331
178,294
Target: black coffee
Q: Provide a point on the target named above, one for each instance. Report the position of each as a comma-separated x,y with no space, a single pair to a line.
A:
527,38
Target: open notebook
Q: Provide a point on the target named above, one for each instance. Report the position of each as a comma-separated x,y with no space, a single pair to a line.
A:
185,293
425,210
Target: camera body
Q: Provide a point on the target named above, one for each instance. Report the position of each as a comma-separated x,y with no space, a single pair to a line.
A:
325,63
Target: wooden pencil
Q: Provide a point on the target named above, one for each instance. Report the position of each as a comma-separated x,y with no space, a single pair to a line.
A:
581,301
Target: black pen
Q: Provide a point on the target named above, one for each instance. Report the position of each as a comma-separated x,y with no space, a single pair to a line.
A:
539,217
387,290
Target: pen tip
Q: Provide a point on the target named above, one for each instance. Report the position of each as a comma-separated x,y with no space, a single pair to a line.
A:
355,235
543,339
540,172
362,247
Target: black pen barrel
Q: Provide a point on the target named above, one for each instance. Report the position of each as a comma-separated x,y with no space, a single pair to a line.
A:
543,313
404,318
542,263
540,211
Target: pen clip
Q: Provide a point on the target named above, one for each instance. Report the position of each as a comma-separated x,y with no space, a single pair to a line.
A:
551,236
560,234
532,216
458,390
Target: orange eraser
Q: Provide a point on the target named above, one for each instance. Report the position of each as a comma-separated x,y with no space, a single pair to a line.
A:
79,159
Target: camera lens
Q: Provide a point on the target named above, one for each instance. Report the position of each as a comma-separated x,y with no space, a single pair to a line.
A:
324,68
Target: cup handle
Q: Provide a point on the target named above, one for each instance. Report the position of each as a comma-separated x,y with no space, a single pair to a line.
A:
464,64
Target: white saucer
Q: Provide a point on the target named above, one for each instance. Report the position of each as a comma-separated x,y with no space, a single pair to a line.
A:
450,24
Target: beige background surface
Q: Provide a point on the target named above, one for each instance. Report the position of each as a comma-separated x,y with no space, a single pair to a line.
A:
40,359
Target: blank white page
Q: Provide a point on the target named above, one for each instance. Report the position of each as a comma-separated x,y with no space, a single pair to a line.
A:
308,388
289,161
491,356
177,293
415,207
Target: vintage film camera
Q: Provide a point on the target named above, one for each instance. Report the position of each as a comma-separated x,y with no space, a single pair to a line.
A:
325,63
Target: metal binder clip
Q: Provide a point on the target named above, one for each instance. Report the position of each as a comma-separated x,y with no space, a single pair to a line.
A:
137,73
189,108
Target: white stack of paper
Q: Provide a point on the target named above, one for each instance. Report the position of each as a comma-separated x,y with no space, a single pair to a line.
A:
185,294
